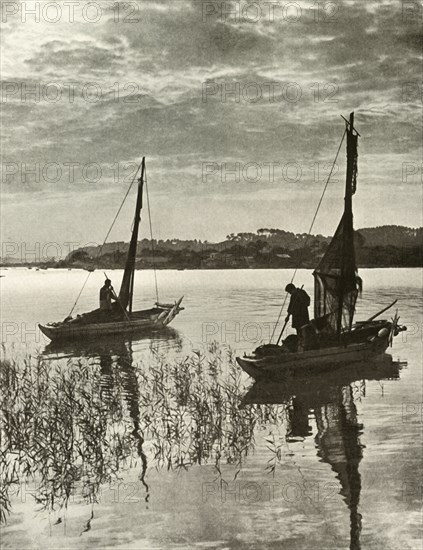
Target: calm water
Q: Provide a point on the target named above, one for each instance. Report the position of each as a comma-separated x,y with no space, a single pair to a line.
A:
330,462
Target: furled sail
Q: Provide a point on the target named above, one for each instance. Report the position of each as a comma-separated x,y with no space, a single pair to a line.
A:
127,286
336,281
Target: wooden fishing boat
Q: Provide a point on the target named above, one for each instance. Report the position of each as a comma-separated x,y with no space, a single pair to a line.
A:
121,319
331,338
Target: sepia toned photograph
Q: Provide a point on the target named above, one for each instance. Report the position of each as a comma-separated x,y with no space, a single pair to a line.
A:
211,275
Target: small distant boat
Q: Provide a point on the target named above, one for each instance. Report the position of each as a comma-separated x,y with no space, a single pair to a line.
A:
121,320
331,339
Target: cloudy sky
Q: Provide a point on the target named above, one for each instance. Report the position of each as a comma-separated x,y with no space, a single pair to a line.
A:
235,105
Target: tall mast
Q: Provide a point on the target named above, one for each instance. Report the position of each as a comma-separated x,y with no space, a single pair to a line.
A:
336,281
347,247
127,286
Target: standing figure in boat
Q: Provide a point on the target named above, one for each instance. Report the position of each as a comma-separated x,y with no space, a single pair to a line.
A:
298,307
332,338
107,294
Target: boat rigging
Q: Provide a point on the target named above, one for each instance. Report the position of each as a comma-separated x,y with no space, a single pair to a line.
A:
331,338
121,319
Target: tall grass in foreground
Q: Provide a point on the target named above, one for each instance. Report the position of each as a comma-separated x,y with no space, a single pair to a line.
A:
74,426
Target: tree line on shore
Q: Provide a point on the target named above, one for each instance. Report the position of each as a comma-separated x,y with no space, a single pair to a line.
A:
386,246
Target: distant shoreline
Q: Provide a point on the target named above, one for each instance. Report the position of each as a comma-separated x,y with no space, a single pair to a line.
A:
42,267
385,246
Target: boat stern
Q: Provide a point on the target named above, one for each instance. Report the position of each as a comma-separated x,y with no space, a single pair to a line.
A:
47,331
249,366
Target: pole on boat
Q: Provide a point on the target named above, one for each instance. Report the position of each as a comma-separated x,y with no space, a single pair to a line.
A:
286,321
282,331
310,229
381,311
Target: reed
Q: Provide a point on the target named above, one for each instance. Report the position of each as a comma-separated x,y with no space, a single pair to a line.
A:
74,426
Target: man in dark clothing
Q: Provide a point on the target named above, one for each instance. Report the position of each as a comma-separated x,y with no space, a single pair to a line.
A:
298,307
107,294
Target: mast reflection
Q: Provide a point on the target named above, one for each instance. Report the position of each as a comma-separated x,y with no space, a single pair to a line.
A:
330,398
117,370
118,375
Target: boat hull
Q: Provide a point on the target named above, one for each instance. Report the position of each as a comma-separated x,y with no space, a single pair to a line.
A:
137,323
287,364
322,385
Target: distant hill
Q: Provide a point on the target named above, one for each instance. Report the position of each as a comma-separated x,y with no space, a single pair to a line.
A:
391,235
276,237
384,236
385,246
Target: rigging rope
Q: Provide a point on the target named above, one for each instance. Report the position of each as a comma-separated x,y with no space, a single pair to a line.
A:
151,235
106,237
309,232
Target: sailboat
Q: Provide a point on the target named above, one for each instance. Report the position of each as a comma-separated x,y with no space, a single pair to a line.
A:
121,319
331,338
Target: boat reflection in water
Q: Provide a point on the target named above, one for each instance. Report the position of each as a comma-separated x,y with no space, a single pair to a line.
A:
180,413
114,344
118,375
331,400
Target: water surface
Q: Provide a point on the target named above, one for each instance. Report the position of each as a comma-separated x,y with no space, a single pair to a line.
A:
188,452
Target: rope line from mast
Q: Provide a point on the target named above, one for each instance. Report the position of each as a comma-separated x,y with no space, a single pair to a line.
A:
308,235
106,237
153,253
